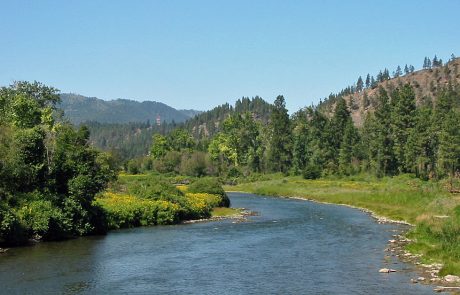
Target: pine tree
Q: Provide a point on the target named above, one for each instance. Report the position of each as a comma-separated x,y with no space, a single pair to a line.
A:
373,82
281,139
386,74
428,63
347,149
402,118
368,81
300,150
449,146
435,61
398,72
406,70
360,84
421,145
411,68
383,158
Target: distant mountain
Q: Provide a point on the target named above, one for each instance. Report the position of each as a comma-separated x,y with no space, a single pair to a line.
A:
78,109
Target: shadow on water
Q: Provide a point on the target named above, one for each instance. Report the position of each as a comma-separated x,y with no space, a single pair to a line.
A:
291,247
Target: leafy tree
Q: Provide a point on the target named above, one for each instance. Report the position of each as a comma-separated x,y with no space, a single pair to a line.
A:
159,146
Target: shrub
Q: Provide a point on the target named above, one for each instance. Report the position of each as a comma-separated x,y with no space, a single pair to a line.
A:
12,231
129,211
210,186
154,187
312,171
200,205
44,220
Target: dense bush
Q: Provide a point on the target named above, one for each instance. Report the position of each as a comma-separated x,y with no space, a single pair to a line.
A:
129,211
49,173
153,187
12,231
210,186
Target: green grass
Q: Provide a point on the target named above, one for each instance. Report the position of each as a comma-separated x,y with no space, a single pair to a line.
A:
400,198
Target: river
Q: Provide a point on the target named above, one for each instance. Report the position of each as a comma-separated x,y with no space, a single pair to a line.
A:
291,247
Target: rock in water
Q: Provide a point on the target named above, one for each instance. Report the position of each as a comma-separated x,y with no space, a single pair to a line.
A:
386,270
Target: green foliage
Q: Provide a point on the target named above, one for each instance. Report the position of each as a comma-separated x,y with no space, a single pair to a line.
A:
129,211
49,174
12,231
159,146
152,187
210,186
196,164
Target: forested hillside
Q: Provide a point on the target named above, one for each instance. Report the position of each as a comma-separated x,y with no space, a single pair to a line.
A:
207,124
130,140
78,109
427,83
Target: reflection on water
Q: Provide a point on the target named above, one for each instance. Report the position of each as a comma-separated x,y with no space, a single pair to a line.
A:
292,247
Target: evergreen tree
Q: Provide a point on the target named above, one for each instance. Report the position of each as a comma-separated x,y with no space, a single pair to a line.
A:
281,139
449,145
421,145
347,151
381,145
368,81
406,70
435,62
359,84
402,118
385,75
373,82
398,72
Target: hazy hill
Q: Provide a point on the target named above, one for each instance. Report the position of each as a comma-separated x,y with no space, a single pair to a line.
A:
426,83
78,108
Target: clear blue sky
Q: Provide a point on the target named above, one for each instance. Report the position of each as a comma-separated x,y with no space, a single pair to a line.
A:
198,54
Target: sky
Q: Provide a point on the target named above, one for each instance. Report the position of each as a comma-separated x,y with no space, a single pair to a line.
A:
199,54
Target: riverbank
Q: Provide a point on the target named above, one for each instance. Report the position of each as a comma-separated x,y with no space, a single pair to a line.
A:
433,212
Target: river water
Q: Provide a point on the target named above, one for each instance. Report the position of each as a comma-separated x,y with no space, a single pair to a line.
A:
291,247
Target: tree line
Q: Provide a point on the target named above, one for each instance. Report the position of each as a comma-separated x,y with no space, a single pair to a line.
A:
397,137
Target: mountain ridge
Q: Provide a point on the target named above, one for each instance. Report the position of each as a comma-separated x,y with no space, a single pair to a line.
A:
79,109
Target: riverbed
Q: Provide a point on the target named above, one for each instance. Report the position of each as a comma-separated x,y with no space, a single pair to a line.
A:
290,247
